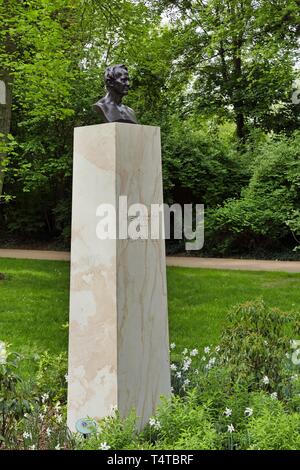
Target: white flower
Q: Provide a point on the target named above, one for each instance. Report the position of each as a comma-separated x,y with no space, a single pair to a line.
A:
218,349
26,415
48,432
66,377
157,425
172,346
274,396
45,397
104,446
207,350
178,375
154,423
57,406
185,351
228,412
57,447
186,382
27,435
266,380
113,409
212,361
194,352
230,428
32,447
173,367
3,353
266,343
186,364
248,412
41,416
59,418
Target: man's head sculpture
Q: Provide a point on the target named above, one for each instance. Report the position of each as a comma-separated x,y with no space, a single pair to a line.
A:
117,78
110,107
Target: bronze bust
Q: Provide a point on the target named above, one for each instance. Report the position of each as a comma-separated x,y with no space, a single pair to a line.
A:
110,107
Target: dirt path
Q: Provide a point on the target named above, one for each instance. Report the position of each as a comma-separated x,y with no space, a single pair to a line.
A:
235,264
35,254
212,263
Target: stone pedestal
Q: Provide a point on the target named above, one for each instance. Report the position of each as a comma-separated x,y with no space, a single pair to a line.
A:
118,339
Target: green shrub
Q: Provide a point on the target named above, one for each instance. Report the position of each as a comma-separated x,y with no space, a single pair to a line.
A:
51,376
182,424
200,166
271,427
178,424
263,437
267,214
13,403
30,415
242,394
119,433
256,342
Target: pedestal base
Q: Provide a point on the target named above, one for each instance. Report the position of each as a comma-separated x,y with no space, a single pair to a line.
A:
118,340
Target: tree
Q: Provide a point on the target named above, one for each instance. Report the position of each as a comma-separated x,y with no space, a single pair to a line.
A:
237,56
266,216
61,48
42,43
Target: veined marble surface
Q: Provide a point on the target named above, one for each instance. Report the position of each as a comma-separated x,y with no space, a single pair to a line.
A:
118,338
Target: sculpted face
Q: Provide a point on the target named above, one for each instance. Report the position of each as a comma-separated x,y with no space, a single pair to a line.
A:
110,106
120,83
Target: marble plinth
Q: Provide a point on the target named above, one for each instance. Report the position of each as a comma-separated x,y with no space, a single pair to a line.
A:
118,336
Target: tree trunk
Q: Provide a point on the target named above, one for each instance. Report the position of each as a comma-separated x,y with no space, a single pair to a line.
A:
240,125
238,95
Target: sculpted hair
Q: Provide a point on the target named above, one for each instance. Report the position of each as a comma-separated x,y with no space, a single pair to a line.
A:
110,73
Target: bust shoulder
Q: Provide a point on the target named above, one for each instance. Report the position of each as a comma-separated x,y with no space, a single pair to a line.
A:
100,104
130,114
111,112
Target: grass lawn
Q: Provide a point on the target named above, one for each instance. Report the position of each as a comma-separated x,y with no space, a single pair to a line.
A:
34,302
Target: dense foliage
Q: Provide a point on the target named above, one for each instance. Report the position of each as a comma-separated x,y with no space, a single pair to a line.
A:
241,394
267,214
216,76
